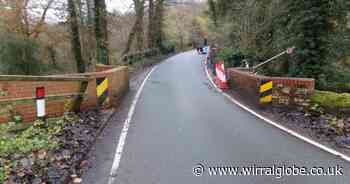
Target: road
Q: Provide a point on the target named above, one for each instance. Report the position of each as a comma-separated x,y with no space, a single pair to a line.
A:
181,121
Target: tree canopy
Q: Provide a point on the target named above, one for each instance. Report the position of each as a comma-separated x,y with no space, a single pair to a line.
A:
319,29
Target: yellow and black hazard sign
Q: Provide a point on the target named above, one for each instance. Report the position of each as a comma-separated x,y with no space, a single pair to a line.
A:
102,90
266,91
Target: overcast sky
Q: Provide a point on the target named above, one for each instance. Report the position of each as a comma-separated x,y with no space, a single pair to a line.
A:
125,5
53,16
121,5
112,5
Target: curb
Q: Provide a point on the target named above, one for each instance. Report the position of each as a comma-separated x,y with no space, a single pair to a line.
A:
276,125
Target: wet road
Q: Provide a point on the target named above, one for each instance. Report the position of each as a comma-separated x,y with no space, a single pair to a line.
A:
181,121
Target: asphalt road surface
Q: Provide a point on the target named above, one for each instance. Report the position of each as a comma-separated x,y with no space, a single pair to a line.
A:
180,121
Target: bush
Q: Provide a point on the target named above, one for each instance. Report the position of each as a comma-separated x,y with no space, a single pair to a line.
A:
231,56
332,100
334,79
347,61
318,30
151,53
20,56
135,58
2,175
167,48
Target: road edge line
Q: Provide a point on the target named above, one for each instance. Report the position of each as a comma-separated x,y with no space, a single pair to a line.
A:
124,132
277,125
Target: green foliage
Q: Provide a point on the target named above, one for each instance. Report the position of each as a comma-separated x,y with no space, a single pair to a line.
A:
231,56
347,61
18,119
223,7
307,28
135,59
212,11
331,100
2,175
167,48
318,28
40,136
20,56
335,79
101,33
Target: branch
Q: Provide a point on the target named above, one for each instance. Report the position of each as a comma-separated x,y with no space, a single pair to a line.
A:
36,30
25,17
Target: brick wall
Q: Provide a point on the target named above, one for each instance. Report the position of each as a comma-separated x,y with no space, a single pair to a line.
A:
17,93
101,68
286,91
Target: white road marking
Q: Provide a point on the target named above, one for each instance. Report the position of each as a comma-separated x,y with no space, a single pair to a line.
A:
289,131
124,132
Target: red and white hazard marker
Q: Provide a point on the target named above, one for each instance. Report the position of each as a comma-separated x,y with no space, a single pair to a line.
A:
40,102
290,50
221,79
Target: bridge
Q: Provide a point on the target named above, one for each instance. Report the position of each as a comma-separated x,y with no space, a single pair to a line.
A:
180,127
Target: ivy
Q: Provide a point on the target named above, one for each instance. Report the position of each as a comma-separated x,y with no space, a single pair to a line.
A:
40,136
320,30
2,175
231,56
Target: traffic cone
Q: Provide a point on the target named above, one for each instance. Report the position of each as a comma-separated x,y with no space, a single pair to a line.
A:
221,79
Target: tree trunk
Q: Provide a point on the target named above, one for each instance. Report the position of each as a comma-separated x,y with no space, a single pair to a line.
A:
151,24
90,12
130,39
137,29
158,16
89,37
80,11
76,45
76,48
213,11
101,32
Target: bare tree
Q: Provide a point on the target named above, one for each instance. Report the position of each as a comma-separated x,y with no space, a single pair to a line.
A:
137,30
88,34
150,24
158,23
90,11
76,48
18,19
140,4
75,34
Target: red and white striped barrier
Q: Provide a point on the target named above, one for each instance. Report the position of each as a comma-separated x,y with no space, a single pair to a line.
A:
220,78
40,102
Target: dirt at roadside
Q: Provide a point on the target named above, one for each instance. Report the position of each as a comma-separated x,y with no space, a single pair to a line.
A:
320,126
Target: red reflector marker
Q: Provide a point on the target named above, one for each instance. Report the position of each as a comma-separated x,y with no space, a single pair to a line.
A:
40,92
